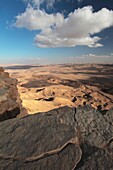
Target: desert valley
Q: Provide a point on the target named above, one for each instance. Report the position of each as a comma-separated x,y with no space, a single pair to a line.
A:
43,88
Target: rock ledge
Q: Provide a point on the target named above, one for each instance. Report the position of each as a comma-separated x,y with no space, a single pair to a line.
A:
64,138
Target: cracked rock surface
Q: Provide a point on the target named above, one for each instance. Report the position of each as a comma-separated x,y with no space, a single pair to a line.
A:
61,139
96,129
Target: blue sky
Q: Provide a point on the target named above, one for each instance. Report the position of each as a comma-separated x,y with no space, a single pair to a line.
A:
56,31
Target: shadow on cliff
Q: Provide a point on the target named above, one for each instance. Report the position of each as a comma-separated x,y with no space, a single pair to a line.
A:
10,114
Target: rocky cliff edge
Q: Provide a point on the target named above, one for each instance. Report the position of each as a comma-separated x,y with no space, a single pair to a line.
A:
10,103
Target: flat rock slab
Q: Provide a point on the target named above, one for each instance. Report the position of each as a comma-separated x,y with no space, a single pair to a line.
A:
61,139
40,141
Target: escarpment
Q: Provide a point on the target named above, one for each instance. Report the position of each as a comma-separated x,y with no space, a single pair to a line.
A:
10,103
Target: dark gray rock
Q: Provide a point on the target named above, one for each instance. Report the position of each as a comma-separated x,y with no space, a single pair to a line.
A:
61,139
109,116
95,128
9,114
42,135
94,159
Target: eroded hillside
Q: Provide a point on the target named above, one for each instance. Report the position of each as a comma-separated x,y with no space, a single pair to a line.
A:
43,88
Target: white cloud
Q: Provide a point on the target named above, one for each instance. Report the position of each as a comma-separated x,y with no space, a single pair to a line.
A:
92,55
89,59
95,56
34,2
37,3
111,54
89,55
56,31
36,19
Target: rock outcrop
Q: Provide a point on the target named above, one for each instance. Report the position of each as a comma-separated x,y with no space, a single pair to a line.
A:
61,139
10,103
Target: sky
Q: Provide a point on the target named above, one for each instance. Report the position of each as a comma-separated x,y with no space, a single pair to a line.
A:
56,31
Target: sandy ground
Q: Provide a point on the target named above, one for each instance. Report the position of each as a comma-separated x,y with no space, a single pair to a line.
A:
43,88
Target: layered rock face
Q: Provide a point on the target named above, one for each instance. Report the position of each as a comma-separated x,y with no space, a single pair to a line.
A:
10,103
61,139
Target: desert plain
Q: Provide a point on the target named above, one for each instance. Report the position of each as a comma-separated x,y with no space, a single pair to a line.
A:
45,87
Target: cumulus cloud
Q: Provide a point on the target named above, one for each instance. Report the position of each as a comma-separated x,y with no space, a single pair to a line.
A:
77,28
36,19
